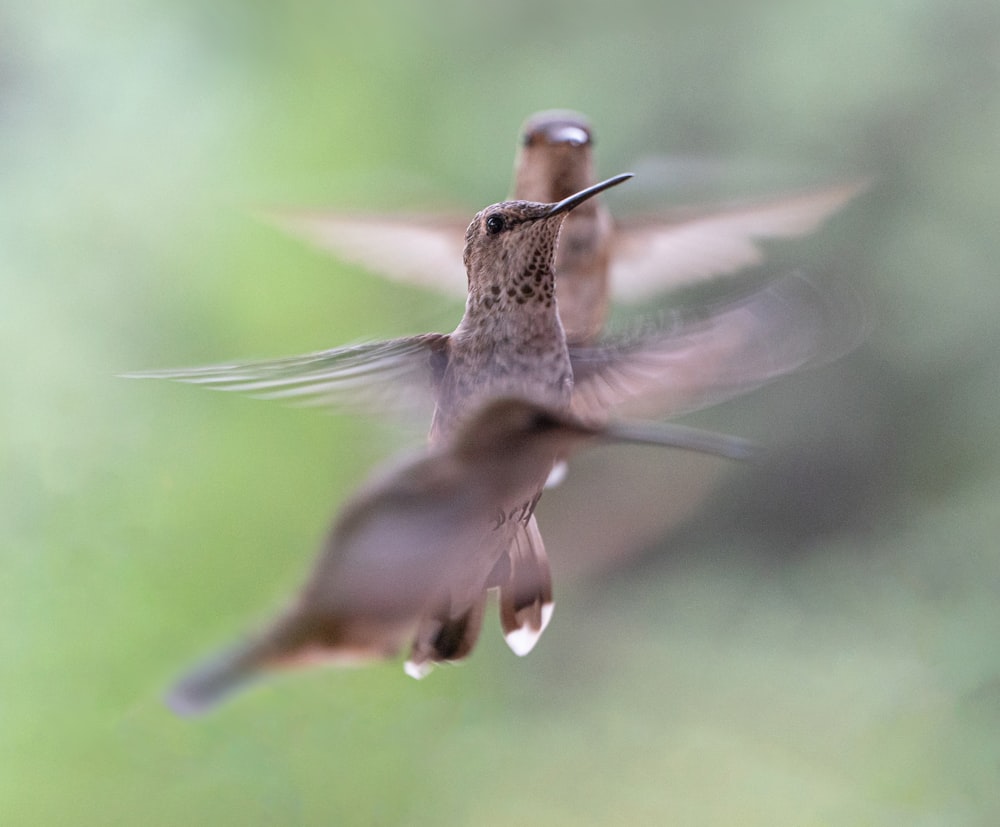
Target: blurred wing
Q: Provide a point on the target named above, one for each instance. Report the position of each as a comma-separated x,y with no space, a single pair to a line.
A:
650,257
422,250
378,572
735,348
395,376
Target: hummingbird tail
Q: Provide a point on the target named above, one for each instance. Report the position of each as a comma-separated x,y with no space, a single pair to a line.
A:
445,636
526,596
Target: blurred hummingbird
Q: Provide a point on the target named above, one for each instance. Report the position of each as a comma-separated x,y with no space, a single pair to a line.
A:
423,532
598,259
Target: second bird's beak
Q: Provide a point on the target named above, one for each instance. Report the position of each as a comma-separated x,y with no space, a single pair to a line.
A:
578,198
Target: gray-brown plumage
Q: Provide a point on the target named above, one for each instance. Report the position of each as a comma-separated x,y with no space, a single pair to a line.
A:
510,339
684,362
510,342
420,534
598,259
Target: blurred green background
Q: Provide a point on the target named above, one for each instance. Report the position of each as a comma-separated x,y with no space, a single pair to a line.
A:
819,646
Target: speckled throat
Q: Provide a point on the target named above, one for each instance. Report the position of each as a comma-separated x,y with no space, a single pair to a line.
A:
510,341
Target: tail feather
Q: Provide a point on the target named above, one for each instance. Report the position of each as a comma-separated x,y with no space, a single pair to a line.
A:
445,636
526,602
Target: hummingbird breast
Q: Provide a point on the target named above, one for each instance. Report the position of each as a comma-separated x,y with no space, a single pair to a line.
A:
520,355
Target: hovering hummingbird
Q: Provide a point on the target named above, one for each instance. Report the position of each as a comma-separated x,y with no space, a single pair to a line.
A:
510,342
422,532
598,259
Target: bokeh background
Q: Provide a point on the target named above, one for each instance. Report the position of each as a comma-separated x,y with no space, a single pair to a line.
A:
820,644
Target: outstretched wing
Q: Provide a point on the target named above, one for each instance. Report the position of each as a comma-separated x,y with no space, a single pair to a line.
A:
397,376
652,256
421,250
698,362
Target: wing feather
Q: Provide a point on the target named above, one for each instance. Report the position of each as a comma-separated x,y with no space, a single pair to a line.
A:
394,376
700,361
420,250
652,256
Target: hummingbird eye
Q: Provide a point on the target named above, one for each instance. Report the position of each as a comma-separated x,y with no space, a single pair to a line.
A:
495,224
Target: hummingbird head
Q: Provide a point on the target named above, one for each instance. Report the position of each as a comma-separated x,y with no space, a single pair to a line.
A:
555,159
510,249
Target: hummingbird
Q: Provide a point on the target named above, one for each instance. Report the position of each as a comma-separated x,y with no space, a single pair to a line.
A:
408,539
510,342
598,259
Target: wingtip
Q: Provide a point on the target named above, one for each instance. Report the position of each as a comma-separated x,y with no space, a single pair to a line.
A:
211,682
138,374
296,224
185,704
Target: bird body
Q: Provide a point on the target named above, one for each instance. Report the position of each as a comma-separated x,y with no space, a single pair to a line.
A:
510,342
413,555
599,260
421,531
556,159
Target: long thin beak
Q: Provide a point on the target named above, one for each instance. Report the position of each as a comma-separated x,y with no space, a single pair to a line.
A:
672,435
578,198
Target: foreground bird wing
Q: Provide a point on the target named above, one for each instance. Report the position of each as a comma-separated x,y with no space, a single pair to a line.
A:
698,362
654,255
422,250
382,568
397,376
